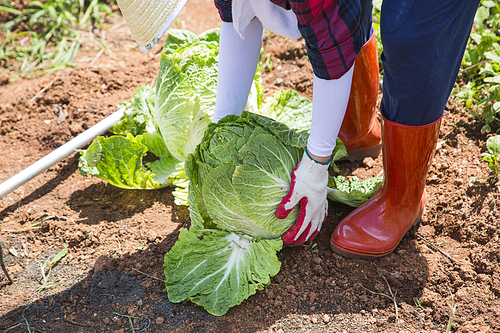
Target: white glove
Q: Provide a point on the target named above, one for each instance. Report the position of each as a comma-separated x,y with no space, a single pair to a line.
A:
238,60
309,187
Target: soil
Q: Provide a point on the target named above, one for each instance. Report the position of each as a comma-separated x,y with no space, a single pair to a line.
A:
111,278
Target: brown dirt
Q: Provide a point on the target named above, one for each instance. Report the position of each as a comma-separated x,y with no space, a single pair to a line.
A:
117,238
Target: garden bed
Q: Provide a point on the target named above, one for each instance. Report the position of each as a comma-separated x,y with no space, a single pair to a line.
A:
111,278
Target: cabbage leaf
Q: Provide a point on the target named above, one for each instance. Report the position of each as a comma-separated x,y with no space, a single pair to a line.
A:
218,269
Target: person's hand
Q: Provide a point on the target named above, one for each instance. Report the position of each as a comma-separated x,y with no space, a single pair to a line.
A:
309,187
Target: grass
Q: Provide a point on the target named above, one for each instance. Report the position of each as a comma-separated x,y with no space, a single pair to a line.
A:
46,36
453,310
141,320
392,295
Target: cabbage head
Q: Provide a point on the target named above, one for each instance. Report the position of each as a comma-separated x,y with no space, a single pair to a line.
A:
238,175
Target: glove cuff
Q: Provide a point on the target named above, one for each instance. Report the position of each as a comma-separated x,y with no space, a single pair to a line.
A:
314,169
306,152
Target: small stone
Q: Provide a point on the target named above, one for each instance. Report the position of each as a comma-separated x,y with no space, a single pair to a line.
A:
160,321
317,260
326,318
314,320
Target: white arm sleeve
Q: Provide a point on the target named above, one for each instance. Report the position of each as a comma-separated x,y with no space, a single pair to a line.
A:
330,98
238,60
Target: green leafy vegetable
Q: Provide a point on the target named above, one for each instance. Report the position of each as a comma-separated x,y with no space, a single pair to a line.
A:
238,175
118,160
167,121
233,174
223,268
288,107
352,192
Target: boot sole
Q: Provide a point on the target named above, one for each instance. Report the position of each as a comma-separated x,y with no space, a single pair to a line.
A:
360,154
411,232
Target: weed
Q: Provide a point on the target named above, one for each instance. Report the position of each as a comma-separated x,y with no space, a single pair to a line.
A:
267,64
392,295
47,267
453,309
2,263
47,31
35,225
493,154
141,320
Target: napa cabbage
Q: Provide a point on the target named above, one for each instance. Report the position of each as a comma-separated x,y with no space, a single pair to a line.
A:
166,122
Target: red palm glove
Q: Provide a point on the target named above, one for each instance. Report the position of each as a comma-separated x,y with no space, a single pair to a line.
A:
309,187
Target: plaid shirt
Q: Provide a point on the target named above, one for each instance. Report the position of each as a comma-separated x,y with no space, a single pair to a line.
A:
330,29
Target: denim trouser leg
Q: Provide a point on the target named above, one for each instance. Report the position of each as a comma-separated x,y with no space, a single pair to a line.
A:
366,19
424,43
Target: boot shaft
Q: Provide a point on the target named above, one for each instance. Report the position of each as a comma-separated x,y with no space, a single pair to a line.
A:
407,156
360,127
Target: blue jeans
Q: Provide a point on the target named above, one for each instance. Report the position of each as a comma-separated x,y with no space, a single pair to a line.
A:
424,42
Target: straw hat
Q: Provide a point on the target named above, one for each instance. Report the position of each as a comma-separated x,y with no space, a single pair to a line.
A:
149,19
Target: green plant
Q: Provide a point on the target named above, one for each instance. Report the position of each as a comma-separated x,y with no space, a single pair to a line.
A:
2,264
392,295
47,31
493,154
185,96
238,174
267,64
479,80
46,268
453,310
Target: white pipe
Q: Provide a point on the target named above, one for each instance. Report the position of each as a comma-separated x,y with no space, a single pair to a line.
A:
52,158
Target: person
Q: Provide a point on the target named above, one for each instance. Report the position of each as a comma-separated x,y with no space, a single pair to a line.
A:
423,45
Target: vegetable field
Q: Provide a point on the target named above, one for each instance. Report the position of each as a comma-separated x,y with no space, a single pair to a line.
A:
87,256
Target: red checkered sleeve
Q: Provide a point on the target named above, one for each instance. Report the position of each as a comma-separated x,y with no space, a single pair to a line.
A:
330,29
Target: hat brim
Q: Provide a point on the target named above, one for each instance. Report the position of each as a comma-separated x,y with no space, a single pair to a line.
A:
164,27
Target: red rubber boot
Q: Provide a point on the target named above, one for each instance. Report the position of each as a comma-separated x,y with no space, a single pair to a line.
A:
360,130
376,227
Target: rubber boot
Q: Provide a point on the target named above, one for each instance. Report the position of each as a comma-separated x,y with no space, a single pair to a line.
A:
376,227
360,130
